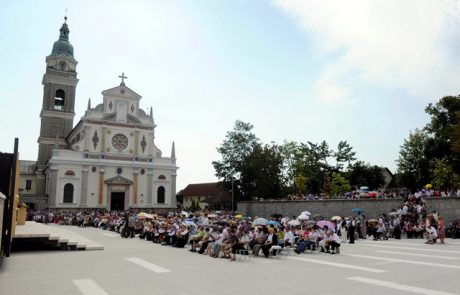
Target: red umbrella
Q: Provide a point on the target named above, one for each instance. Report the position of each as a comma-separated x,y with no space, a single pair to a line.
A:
372,194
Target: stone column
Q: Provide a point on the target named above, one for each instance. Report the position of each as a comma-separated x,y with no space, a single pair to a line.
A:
84,187
88,138
103,136
135,187
173,190
149,201
52,196
136,143
100,193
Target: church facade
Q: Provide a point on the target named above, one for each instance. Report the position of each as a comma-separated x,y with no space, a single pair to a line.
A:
108,160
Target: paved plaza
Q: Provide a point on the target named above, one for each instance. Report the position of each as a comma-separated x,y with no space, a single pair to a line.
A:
134,266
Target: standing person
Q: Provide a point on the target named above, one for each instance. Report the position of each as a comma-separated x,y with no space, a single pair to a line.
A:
131,223
431,234
441,229
397,227
351,230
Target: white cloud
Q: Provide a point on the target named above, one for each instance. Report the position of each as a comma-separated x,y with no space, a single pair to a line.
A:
405,45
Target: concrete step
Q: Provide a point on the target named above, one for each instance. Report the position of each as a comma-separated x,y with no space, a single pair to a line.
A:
38,236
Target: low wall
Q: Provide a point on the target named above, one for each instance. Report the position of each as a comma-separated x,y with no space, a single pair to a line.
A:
447,207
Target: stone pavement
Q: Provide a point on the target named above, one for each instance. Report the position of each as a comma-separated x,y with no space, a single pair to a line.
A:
133,266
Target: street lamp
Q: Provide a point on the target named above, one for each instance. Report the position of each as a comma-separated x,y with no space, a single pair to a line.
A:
233,200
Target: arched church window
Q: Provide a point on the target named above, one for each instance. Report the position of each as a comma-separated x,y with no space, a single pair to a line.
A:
162,177
59,99
69,173
161,195
68,193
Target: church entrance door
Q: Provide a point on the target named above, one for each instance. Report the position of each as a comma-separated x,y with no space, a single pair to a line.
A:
117,201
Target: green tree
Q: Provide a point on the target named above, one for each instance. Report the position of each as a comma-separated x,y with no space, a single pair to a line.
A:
264,170
234,151
444,131
300,184
327,185
292,164
360,174
444,176
343,155
339,184
413,166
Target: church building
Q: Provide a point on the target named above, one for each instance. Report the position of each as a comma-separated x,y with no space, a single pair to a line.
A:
108,160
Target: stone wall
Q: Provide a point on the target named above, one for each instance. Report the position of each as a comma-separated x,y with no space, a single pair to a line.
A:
448,207
40,201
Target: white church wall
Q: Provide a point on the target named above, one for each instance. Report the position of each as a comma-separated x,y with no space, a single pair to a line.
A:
93,187
61,182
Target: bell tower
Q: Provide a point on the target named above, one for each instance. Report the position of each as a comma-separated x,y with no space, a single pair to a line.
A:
58,107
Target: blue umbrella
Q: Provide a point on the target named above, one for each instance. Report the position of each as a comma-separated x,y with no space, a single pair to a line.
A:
274,223
357,210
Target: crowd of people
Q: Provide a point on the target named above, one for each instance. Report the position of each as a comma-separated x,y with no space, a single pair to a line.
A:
378,194
225,234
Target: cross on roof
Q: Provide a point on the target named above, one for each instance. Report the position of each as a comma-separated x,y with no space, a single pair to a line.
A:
123,77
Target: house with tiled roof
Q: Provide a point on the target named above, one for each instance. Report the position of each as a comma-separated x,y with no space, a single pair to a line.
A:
206,195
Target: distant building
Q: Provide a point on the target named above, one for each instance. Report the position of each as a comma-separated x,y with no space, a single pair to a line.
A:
206,195
388,177
108,160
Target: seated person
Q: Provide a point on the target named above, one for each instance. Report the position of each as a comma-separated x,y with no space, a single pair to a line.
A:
181,236
259,241
242,244
194,239
289,238
203,244
271,240
309,242
228,243
330,242
379,231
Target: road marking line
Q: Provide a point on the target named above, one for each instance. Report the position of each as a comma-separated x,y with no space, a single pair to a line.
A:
397,286
405,261
89,287
147,265
110,235
421,244
335,264
415,249
419,255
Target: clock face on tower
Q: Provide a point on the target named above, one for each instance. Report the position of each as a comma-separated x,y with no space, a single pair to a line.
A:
119,142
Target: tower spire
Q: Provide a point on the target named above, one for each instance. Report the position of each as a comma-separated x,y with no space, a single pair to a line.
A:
89,103
173,151
62,45
151,113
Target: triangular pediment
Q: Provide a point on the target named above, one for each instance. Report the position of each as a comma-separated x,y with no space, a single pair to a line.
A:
121,91
118,180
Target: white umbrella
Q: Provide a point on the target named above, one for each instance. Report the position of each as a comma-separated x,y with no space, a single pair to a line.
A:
303,217
184,213
260,221
305,213
188,222
145,215
294,222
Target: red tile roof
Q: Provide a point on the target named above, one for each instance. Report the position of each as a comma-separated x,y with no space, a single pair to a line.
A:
213,189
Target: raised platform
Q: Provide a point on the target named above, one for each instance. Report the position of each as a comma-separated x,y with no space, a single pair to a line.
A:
40,236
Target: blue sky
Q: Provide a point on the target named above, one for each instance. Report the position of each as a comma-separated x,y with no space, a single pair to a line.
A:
361,71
